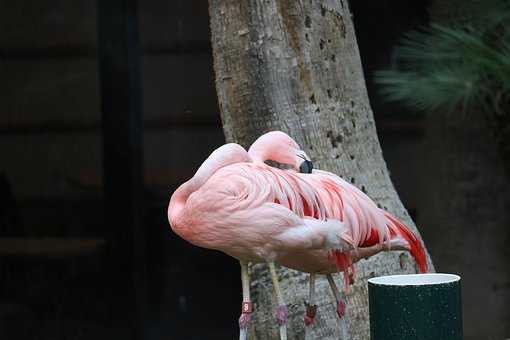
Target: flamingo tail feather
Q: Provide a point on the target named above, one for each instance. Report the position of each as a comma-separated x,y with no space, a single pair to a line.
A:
416,248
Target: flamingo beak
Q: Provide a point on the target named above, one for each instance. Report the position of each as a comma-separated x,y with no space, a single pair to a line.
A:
306,167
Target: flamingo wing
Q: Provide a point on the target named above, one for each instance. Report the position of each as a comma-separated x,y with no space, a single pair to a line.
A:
248,208
367,223
322,196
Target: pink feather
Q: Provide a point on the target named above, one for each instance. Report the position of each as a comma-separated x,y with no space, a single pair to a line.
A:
237,204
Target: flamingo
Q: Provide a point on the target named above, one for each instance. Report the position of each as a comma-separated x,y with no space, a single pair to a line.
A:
319,261
304,219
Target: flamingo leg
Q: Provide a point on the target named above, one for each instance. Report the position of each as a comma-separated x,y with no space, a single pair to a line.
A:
394,244
247,305
340,304
363,253
281,312
311,307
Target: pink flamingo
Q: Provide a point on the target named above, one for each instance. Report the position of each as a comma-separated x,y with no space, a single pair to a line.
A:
305,219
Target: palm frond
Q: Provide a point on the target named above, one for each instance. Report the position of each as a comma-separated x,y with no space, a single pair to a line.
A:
441,67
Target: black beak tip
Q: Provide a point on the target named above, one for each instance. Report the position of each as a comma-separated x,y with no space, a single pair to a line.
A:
306,167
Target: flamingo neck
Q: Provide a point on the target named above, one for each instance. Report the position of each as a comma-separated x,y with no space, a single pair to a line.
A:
258,155
275,146
221,157
177,206
262,152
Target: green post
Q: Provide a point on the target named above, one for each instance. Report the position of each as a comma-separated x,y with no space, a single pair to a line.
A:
415,307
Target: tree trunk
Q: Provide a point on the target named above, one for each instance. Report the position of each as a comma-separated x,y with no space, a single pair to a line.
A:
466,199
294,66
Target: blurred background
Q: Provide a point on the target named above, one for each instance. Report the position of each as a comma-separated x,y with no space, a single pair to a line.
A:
89,156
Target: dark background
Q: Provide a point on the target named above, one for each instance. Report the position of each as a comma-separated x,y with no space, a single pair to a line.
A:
85,247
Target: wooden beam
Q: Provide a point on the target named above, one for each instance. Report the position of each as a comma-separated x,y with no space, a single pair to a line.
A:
385,126
154,124
89,52
119,71
49,247
54,52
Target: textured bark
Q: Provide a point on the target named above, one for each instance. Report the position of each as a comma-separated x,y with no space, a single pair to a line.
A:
294,66
465,201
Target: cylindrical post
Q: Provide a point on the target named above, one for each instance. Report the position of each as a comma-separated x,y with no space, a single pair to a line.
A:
415,307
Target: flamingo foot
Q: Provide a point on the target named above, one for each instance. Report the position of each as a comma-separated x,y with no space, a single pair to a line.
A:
340,308
311,311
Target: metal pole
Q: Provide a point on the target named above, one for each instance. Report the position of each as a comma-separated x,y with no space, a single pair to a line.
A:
119,73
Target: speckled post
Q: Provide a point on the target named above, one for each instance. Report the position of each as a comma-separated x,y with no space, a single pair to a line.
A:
415,307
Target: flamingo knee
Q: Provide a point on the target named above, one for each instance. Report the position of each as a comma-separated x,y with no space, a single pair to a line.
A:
281,311
311,311
340,308
282,315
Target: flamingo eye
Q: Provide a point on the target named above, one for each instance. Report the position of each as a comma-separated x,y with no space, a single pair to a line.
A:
302,157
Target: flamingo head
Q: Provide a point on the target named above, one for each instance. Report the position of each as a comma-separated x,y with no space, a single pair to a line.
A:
279,147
